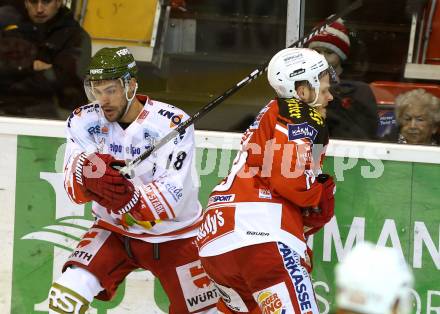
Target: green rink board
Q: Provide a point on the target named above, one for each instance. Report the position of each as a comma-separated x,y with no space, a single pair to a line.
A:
401,208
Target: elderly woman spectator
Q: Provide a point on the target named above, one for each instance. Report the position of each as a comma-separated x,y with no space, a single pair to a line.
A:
418,117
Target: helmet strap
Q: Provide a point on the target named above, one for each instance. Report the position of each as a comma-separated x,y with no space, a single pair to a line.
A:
313,104
129,99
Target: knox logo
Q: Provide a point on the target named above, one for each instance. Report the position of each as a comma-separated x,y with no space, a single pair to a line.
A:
175,119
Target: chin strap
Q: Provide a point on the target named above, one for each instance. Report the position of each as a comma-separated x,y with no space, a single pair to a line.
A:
129,100
313,104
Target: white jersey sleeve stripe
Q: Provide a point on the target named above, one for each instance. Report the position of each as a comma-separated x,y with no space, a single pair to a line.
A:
281,129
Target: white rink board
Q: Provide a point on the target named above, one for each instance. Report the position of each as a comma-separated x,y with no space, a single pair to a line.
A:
210,139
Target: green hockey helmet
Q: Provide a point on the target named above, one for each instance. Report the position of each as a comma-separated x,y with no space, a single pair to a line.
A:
112,63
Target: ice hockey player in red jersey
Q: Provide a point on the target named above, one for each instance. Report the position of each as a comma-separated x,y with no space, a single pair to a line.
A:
252,241
147,222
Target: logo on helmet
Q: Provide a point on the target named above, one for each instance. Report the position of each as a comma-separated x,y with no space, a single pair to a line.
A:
123,52
297,72
293,57
96,71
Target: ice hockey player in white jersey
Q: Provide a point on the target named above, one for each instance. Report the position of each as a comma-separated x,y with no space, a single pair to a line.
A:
373,280
146,222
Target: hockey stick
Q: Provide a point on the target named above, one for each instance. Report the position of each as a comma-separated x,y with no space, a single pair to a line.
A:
127,171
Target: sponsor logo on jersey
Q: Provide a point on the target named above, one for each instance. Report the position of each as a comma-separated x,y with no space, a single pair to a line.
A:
198,290
212,224
89,245
294,108
316,116
265,194
115,148
96,129
149,137
258,233
179,137
301,131
299,276
270,303
87,239
221,199
175,192
77,112
157,205
81,255
175,119
91,108
142,116
133,150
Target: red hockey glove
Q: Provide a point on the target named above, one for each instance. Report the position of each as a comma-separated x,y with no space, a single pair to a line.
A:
119,203
131,206
316,218
94,173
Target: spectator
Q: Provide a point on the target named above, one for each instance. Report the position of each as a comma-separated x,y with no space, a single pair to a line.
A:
373,280
43,58
352,114
418,117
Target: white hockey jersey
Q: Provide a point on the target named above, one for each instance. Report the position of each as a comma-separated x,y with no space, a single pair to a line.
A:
167,179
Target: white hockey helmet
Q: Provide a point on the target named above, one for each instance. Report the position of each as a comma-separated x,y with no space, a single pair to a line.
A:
371,279
291,65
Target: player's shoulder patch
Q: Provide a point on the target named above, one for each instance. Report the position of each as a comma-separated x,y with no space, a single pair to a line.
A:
84,114
301,131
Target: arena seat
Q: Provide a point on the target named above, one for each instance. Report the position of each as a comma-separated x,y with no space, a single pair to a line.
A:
386,91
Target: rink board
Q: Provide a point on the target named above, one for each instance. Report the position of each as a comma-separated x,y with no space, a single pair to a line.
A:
388,194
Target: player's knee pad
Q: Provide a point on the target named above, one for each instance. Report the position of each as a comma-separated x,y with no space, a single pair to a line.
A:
73,291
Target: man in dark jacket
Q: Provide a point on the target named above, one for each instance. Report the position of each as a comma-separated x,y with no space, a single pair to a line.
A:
43,59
